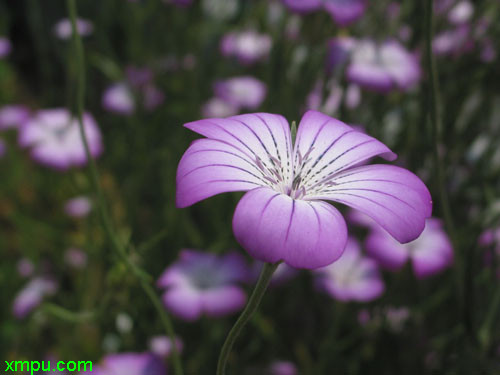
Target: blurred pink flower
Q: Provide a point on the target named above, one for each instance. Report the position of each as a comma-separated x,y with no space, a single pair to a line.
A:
352,277
162,346
430,253
63,30
243,92
282,368
201,283
32,295
13,116
283,217
118,98
129,364
5,47
53,137
78,206
75,258
25,267
343,12
217,107
247,46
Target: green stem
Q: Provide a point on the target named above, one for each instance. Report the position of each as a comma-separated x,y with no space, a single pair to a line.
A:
252,305
142,276
485,331
436,124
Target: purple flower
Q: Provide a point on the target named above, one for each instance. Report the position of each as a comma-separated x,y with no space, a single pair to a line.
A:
217,107
129,364
339,50
343,12
118,98
25,267
241,92
461,12
453,42
282,368
162,346
430,253
283,217
202,283
383,67
13,116
5,47
247,46
75,258
63,29
54,138
32,295
352,277
78,207
152,97
138,77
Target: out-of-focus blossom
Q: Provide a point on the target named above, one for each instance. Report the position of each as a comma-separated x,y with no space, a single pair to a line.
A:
352,96
78,207
129,364
124,323
396,317
3,148
383,67
152,97
352,277
217,107
283,217
13,116
247,46
430,253
343,12
162,346
32,295
243,92
5,47
138,76
118,98
25,267
75,258
490,237
461,12
220,9
453,42
53,135
282,368
488,51
63,29
339,50
203,283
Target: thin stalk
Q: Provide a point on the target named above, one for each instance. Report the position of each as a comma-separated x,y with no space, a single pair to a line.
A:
485,330
142,276
252,305
436,125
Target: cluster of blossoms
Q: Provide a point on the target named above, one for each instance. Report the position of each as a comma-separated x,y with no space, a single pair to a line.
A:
121,96
246,46
234,94
343,12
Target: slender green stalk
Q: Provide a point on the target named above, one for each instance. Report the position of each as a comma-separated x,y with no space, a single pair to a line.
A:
252,305
143,277
485,330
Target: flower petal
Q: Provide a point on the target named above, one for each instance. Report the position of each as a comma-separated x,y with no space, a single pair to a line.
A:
273,227
392,196
242,152
223,300
389,253
326,146
185,303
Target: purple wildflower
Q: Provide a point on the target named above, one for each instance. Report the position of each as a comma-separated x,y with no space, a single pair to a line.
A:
118,98
343,12
241,92
75,258
282,368
217,107
339,50
430,253
53,136
13,116
352,277
78,207
461,12
202,283
282,217
129,363
454,42
25,267
247,46
32,295
162,346
5,47
63,29
383,67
